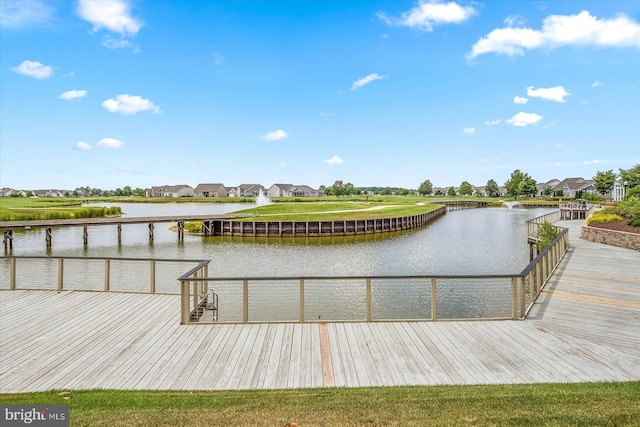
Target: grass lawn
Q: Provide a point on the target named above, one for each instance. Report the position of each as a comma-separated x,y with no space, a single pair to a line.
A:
329,211
583,404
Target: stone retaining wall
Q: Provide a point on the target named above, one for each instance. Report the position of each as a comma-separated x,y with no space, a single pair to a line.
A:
611,237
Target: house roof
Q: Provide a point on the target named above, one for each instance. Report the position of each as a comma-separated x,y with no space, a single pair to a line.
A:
176,188
208,187
574,183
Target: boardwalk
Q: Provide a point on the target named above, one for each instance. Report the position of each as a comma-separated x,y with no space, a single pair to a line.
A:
584,328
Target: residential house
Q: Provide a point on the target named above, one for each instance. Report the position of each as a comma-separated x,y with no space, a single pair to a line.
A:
48,193
211,190
178,191
618,191
542,185
155,191
569,186
279,190
249,190
6,192
480,191
289,190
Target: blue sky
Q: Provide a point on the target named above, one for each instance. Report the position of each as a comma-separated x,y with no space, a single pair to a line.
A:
386,93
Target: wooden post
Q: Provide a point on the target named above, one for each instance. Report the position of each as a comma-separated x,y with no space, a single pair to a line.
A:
150,232
119,234
60,274
522,295
368,300
180,230
47,237
107,265
245,301
8,239
153,277
85,235
301,300
185,313
206,274
514,298
434,298
12,279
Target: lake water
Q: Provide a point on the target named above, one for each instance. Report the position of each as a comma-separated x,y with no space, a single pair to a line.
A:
472,241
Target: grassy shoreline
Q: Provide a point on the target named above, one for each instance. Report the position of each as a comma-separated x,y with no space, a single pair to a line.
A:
581,404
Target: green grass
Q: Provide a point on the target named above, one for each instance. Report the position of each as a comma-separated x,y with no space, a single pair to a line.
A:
332,211
57,213
583,404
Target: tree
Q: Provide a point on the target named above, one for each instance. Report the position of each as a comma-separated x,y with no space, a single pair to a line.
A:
514,185
386,191
604,181
466,189
492,188
138,192
528,187
425,188
631,176
349,189
451,192
337,189
403,192
547,191
126,191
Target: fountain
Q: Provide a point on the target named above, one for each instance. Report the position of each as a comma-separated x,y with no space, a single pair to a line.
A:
510,205
262,199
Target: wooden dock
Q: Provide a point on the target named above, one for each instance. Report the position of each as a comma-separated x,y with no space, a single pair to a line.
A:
584,327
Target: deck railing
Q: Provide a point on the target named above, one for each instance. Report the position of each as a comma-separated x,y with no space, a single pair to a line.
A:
93,273
297,299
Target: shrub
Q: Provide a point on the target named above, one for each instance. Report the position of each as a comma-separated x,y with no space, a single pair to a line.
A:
606,216
547,233
193,227
630,209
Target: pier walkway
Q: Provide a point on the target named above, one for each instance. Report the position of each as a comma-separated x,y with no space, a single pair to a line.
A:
584,327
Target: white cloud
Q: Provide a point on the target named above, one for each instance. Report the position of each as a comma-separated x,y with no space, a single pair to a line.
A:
493,122
514,21
366,80
275,135
594,162
582,29
110,143
73,94
524,119
557,93
20,13
520,100
596,84
82,146
128,104
111,43
469,131
112,15
34,69
335,160
430,13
